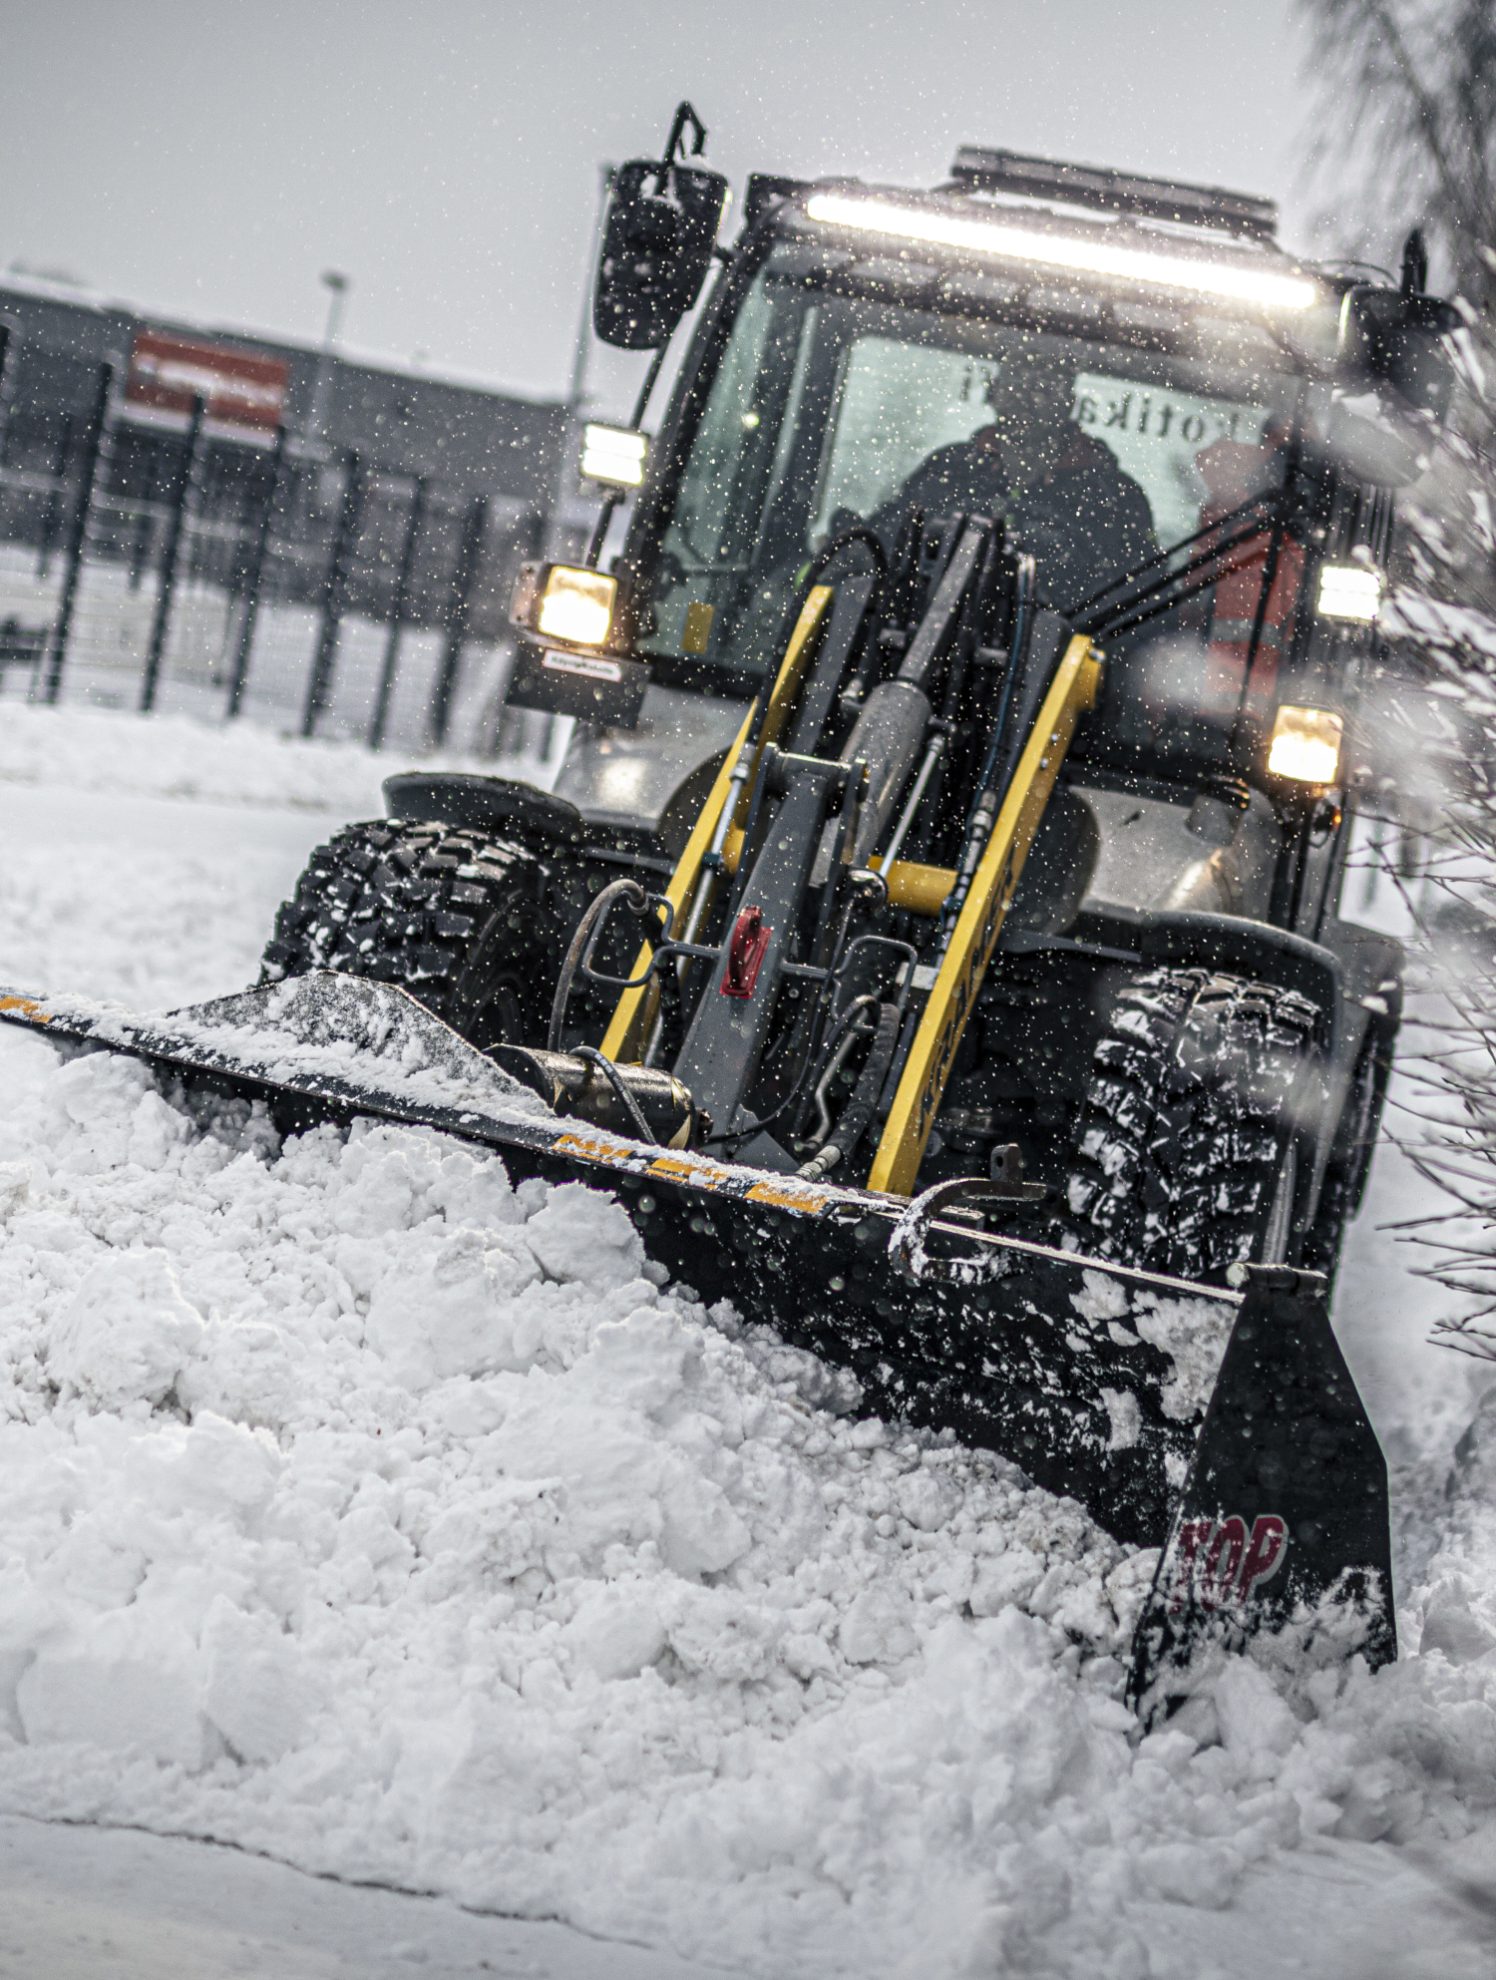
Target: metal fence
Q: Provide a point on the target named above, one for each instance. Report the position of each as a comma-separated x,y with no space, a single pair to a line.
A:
172,565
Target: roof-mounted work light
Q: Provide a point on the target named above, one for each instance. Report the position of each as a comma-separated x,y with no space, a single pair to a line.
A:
1352,592
615,456
1263,288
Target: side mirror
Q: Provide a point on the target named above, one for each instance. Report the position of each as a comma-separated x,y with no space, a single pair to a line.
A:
658,238
1396,339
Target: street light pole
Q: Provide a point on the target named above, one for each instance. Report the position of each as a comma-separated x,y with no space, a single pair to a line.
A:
337,286
564,480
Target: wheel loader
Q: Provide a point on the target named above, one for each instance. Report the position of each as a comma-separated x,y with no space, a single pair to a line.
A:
932,934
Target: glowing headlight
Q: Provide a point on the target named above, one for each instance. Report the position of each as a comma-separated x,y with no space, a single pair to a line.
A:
1236,280
576,605
614,455
1306,745
1349,591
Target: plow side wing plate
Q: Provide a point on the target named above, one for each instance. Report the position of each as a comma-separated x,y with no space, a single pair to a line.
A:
1283,1519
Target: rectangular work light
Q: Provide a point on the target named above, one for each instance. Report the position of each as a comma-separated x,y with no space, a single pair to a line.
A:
1265,287
576,604
1306,745
613,455
1349,591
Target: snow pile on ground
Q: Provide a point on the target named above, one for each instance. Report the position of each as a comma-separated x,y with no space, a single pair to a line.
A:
363,1509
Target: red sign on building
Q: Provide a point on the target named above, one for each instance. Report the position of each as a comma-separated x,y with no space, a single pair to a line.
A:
241,388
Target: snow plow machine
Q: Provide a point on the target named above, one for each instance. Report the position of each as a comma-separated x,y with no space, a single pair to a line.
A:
932,934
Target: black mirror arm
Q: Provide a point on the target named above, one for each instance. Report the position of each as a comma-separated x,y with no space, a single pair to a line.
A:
1414,264
685,115
675,144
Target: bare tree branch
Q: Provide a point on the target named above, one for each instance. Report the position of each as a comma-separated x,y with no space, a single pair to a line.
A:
1407,96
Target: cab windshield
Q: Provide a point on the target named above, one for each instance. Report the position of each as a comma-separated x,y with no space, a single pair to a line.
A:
852,392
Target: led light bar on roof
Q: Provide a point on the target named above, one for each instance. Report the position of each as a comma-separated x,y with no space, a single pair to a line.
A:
1264,287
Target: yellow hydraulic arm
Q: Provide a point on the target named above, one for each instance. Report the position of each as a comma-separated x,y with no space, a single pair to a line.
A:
624,1037
953,994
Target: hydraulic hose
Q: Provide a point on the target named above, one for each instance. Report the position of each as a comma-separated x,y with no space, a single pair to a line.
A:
597,907
857,1116
808,1075
619,1085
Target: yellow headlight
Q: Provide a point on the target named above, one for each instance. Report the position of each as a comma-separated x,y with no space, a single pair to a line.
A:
1306,745
576,605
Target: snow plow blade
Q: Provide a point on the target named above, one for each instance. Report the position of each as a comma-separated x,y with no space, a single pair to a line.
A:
1222,1427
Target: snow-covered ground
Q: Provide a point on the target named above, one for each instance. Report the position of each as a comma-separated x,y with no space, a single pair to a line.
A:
87,1903
375,1516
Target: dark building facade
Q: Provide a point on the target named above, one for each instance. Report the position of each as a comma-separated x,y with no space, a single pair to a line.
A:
279,419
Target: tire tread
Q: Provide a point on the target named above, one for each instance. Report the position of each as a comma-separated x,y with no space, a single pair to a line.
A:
1177,1152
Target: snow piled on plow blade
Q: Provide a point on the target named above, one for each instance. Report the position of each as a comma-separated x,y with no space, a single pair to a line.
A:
367,1510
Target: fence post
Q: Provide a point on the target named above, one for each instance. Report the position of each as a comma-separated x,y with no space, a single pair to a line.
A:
335,596
6,383
510,723
95,454
171,557
47,537
140,545
464,577
398,611
7,389
254,577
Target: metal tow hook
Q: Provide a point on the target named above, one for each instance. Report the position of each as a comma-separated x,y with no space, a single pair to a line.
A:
907,1249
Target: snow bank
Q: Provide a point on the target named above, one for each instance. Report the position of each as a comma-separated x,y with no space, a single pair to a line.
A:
365,1510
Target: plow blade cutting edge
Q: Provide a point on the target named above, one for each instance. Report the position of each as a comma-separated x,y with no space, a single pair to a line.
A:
1222,1427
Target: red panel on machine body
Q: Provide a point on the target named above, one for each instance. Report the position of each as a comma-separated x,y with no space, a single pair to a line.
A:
745,953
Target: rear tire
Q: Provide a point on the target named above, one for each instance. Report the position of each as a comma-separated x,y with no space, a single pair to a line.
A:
1187,1156
466,923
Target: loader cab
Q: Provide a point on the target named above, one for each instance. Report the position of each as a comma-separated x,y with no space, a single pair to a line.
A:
855,386
850,370
840,391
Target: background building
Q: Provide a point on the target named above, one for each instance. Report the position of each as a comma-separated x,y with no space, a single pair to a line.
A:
246,477
466,438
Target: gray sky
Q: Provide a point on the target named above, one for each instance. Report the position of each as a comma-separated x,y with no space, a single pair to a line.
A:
213,156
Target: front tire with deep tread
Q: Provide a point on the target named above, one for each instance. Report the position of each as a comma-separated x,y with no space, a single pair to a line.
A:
465,922
1185,1155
